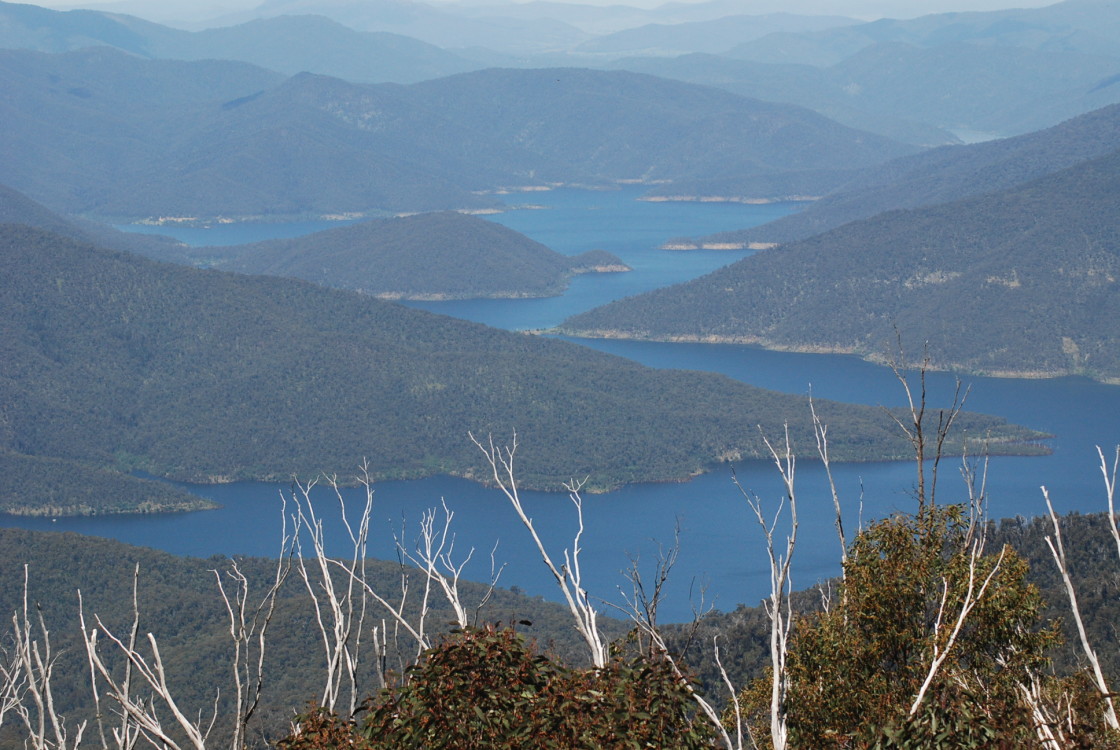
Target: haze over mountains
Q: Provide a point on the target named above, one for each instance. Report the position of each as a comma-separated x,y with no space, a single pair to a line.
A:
115,118
1004,72
102,133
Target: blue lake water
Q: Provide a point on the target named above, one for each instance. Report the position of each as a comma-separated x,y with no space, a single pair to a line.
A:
720,541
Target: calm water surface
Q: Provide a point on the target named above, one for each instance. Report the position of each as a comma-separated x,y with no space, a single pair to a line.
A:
720,548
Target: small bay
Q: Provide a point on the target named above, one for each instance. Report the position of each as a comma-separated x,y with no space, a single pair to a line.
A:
720,543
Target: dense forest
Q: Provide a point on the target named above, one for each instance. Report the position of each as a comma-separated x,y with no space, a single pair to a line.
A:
1017,282
946,174
122,362
443,255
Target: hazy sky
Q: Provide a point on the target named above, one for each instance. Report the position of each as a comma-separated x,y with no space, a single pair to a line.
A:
198,9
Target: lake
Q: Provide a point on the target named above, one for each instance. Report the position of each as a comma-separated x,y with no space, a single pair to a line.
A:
720,543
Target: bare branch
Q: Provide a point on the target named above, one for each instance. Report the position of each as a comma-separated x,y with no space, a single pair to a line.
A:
779,607
567,575
1057,550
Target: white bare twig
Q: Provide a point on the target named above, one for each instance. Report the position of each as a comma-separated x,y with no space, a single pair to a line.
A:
340,608
32,669
1057,550
141,713
972,597
1047,727
820,431
248,632
568,575
779,608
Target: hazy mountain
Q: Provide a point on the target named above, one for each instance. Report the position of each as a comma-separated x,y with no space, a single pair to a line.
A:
947,174
918,94
441,255
287,44
102,133
1018,282
976,74
439,25
713,36
17,208
803,85
1084,26
619,125
116,360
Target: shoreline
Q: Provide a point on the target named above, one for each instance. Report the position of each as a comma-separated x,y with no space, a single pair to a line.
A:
767,345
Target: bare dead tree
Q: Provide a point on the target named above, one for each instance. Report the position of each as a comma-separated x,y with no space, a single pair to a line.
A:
568,575
433,555
12,681
1058,552
340,607
915,425
248,628
779,607
31,672
140,713
127,732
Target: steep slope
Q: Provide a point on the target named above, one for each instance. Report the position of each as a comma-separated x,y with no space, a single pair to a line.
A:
17,208
626,126
427,256
1019,282
120,361
947,174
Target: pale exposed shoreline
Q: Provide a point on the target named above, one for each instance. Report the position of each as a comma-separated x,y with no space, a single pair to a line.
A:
768,345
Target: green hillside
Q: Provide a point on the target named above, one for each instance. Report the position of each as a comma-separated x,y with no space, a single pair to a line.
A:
426,256
180,604
947,174
119,361
1020,282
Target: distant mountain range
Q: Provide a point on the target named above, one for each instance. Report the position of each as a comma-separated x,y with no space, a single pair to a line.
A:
946,174
1021,282
285,44
975,74
115,361
113,136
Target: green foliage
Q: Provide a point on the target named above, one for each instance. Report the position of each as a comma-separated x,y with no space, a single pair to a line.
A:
488,688
855,669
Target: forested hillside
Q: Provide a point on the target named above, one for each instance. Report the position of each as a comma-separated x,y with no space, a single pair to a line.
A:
117,360
129,139
1019,282
180,603
426,256
946,174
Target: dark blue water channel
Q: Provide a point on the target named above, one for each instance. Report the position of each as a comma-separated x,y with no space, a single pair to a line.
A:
720,542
